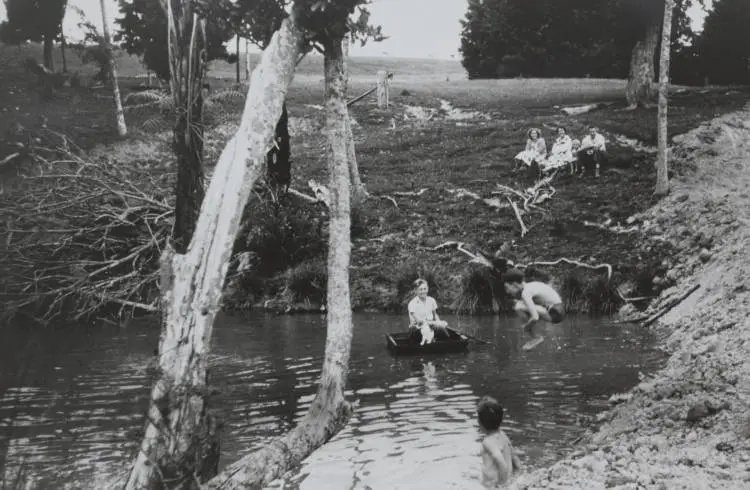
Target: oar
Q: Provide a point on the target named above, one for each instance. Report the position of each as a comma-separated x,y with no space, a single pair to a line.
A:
481,341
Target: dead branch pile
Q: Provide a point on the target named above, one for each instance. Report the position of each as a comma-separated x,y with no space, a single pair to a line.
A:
83,238
530,198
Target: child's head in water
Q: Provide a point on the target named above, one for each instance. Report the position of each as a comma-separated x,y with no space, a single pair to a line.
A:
490,414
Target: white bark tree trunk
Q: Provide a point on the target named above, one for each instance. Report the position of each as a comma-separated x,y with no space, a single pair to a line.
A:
329,411
639,91
662,160
192,283
359,193
122,129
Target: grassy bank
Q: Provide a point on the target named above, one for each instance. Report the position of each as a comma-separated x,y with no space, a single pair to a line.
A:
413,145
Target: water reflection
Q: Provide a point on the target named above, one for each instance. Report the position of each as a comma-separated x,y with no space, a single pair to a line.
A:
71,403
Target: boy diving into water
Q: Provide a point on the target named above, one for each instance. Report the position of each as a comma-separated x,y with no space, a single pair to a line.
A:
536,300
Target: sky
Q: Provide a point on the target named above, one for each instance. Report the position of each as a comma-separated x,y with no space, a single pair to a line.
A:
416,28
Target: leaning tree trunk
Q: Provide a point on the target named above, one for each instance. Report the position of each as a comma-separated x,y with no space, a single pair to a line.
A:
122,129
359,194
329,411
48,60
639,91
662,163
192,283
186,44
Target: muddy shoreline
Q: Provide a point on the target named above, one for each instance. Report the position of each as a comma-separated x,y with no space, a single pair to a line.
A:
687,425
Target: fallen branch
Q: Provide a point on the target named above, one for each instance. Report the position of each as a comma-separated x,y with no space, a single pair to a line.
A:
524,230
459,193
666,309
460,246
572,262
302,195
411,193
389,198
614,229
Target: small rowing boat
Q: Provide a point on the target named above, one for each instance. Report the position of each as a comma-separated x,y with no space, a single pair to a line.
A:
407,343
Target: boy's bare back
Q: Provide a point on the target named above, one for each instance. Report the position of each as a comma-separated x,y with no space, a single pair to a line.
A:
498,459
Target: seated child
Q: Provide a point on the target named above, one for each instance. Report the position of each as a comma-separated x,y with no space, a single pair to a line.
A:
575,166
499,459
423,313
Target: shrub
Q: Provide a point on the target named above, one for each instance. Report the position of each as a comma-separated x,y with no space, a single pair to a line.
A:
307,283
283,233
479,291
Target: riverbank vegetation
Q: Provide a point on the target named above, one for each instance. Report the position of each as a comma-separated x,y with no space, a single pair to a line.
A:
423,161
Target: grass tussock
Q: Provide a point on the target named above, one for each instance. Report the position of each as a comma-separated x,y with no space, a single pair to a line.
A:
282,233
481,292
306,283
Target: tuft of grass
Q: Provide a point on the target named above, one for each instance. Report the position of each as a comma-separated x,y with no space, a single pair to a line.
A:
306,283
481,292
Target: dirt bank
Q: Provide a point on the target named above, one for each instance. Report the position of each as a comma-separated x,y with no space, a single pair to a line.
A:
686,426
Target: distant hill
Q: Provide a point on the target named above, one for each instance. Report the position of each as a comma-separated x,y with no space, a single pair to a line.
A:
311,66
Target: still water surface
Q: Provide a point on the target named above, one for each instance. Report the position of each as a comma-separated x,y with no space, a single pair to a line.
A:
72,402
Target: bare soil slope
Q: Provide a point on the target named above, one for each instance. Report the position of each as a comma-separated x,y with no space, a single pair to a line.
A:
687,427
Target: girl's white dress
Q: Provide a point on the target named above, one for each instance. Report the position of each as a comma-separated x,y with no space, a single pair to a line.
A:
536,150
561,154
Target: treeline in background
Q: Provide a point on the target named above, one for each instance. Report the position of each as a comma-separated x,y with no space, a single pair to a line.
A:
602,38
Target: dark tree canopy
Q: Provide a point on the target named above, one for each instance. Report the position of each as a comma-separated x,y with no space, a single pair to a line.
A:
724,45
552,38
143,32
34,20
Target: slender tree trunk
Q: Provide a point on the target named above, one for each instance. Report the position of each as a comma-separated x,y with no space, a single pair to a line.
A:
122,129
247,60
192,283
237,68
639,91
48,60
329,411
63,45
359,194
662,163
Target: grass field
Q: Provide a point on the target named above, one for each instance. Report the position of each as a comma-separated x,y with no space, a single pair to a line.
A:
398,154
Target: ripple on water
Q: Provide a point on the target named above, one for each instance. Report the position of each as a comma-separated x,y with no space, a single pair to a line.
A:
415,426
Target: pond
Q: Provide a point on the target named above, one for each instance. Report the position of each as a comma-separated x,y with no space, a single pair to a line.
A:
72,401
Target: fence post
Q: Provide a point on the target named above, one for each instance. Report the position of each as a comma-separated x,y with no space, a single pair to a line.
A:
383,89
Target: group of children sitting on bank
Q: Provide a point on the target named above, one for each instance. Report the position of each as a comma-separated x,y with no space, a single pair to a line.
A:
580,156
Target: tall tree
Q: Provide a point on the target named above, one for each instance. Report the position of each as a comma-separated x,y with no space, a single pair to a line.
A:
724,45
178,427
662,163
34,20
641,21
143,32
122,129
192,284
186,42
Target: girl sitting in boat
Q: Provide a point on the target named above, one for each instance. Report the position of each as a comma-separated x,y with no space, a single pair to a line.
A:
535,151
423,314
